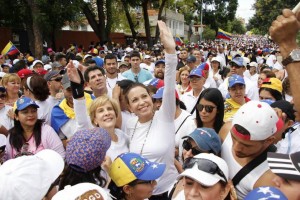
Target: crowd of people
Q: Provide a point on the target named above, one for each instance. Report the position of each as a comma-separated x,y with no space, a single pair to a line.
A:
214,120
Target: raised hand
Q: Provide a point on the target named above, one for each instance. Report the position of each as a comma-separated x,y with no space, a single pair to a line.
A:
73,73
166,38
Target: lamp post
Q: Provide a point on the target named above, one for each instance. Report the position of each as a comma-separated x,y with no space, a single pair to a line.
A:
201,25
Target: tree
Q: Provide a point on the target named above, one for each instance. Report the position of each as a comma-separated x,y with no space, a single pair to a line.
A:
236,26
266,12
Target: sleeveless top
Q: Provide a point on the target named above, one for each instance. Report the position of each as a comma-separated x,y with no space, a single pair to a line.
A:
246,184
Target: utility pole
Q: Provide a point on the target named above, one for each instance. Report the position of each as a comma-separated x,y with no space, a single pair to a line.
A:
201,25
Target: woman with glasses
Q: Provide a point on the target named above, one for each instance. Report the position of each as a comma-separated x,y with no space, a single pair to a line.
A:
30,134
205,177
210,109
133,177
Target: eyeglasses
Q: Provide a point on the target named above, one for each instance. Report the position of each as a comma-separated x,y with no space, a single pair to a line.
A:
205,165
57,79
188,146
2,96
235,65
208,108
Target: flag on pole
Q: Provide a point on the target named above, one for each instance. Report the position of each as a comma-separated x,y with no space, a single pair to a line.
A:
10,49
223,35
178,41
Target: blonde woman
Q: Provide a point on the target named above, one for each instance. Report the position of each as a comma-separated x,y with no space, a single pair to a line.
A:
12,83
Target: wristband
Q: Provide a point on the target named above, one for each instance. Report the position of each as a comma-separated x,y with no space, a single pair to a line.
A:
78,88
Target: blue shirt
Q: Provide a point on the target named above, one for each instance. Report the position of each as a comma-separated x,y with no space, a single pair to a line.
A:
141,77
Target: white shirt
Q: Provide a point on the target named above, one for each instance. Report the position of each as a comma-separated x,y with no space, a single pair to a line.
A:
117,148
6,121
150,67
45,108
111,83
271,60
190,101
290,144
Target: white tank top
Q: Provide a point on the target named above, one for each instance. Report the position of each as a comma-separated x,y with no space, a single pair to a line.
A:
247,183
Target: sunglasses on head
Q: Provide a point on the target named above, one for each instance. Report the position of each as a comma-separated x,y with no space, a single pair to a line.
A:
188,146
208,108
204,165
57,79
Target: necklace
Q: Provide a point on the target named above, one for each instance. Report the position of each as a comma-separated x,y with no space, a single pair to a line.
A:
145,137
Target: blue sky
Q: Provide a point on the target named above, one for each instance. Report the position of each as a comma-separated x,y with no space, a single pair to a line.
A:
244,9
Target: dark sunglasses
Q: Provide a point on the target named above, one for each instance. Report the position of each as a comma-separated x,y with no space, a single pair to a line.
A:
188,146
205,165
58,79
235,65
208,108
2,96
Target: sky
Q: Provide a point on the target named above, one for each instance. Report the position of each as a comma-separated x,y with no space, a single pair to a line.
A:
245,10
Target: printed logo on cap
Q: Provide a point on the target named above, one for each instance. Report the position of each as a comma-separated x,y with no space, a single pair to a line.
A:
137,165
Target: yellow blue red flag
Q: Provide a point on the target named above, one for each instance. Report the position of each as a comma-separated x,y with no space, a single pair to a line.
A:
223,35
178,41
10,49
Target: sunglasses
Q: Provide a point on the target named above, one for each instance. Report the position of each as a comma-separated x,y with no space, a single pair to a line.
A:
188,146
2,96
236,66
205,165
136,79
58,79
207,108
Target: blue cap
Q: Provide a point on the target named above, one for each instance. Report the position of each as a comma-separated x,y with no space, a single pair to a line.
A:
266,50
159,94
160,62
156,82
235,79
191,59
238,60
128,167
196,72
206,139
270,193
24,102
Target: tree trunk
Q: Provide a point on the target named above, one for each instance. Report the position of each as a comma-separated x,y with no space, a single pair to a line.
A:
109,20
147,23
130,22
102,18
92,21
38,42
159,17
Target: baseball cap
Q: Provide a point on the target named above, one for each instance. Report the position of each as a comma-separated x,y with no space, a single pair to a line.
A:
270,193
272,83
66,82
200,167
36,62
24,72
82,191
50,50
42,71
24,102
253,64
86,56
160,62
159,94
285,165
147,56
15,61
47,67
204,66
196,72
30,59
93,51
235,79
218,59
258,118
191,59
156,82
128,167
87,148
286,107
238,61
51,74
30,177
266,50
56,65
45,59
206,139
123,63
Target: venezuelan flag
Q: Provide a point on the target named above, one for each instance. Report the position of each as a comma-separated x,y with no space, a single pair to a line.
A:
223,35
178,41
9,49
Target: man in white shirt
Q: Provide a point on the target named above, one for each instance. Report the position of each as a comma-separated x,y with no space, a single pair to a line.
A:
147,64
112,75
237,67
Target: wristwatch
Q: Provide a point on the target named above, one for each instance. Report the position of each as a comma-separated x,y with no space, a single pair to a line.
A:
293,57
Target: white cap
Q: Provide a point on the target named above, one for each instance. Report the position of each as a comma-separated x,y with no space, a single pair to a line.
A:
258,118
82,191
218,59
147,56
87,55
36,62
30,177
15,61
246,61
47,67
253,64
203,177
